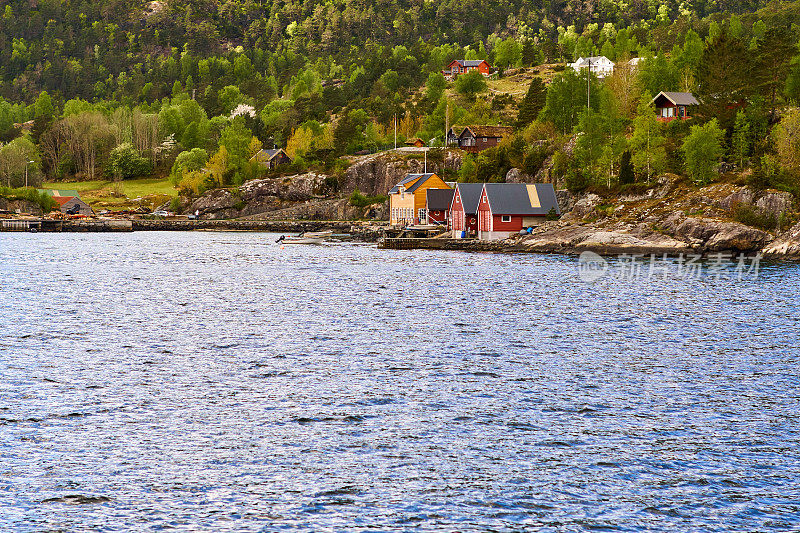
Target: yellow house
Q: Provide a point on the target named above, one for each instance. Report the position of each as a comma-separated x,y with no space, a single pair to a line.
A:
408,198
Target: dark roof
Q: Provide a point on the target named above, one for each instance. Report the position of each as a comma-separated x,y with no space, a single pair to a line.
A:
521,198
470,62
440,199
272,152
489,131
678,98
409,178
470,196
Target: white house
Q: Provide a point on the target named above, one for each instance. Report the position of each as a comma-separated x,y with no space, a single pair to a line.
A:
601,66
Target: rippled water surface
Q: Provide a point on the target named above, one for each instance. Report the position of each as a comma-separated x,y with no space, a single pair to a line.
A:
216,382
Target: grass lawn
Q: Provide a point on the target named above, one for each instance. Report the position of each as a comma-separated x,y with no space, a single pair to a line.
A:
100,193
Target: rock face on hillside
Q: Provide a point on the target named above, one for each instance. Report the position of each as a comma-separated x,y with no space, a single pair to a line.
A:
318,196
376,174
259,196
23,206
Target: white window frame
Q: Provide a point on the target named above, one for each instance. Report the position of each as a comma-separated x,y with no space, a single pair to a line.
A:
505,218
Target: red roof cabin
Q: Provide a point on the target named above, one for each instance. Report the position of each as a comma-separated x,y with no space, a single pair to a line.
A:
460,66
437,206
505,209
672,106
464,209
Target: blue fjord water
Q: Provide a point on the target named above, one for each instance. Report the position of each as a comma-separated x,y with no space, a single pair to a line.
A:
216,382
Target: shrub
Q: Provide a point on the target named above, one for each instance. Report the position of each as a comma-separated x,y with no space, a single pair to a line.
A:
42,199
750,216
360,200
125,163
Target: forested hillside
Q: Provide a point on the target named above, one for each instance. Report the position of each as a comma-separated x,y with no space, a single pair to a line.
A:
192,89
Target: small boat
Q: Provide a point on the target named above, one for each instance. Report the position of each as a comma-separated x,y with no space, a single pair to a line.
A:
299,239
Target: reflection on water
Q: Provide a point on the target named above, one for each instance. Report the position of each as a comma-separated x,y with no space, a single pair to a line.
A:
215,382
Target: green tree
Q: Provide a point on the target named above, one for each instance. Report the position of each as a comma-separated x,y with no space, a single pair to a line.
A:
771,67
471,83
626,169
740,141
723,77
435,86
533,103
649,156
702,149
567,98
17,158
187,161
43,108
236,140
508,53
787,142
124,162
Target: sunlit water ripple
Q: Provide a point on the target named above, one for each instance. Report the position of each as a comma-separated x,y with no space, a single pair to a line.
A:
216,382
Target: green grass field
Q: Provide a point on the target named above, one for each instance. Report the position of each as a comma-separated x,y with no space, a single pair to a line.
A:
103,194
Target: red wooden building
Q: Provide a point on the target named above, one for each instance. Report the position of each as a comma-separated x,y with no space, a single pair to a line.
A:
506,208
464,209
475,139
460,66
672,106
437,206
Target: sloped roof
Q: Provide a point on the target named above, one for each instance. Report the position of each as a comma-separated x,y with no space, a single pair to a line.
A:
61,200
439,199
678,98
584,61
470,62
55,193
522,198
417,179
269,153
470,196
489,131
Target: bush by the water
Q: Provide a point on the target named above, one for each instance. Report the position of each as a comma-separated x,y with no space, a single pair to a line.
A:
42,199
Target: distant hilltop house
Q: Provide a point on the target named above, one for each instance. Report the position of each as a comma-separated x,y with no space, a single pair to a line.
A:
461,66
408,199
417,142
635,62
272,158
671,106
506,208
437,205
477,138
69,201
464,209
601,66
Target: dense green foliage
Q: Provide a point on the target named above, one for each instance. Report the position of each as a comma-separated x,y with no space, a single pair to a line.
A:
194,89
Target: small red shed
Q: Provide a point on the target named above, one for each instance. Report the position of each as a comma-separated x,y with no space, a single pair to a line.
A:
464,209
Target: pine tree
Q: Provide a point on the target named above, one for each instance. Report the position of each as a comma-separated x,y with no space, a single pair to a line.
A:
626,174
771,66
533,103
723,79
740,142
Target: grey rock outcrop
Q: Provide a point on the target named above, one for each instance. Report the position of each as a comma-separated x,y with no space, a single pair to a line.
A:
376,174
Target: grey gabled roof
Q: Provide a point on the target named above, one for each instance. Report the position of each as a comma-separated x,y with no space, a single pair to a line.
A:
470,62
439,199
678,98
515,198
470,196
584,61
409,178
